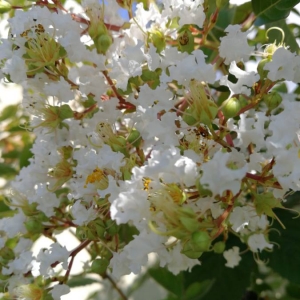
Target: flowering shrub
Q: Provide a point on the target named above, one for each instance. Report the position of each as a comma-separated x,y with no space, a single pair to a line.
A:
152,136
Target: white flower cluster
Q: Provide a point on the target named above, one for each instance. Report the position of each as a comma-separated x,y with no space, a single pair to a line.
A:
131,137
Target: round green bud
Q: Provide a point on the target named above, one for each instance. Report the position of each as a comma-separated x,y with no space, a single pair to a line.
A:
219,247
34,226
201,240
272,100
4,7
7,254
100,265
102,43
190,251
231,107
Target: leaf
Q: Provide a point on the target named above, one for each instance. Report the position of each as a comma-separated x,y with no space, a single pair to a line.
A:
198,289
228,283
81,281
25,155
264,204
7,171
285,259
242,12
9,112
272,10
169,281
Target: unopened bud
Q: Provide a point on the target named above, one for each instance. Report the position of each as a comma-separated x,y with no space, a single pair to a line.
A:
219,247
272,100
231,108
102,43
4,7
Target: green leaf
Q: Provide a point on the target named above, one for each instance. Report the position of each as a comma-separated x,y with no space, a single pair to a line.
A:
264,204
285,258
81,281
25,155
169,281
9,112
7,171
228,283
241,12
197,290
272,10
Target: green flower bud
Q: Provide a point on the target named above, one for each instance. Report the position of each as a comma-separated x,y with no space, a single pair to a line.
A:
102,43
190,251
7,254
219,247
201,240
33,226
4,7
231,107
100,265
199,243
272,100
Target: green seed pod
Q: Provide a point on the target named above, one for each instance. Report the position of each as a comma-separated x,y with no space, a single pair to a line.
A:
272,100
231,107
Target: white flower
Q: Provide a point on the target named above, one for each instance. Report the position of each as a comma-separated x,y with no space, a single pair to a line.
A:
81,214
219,178
282,65
59,290
244,83
232,256
257,242
234,46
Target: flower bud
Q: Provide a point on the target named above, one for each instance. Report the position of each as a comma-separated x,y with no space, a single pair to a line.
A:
102,43
231,107
33,226
199,243
219,247
4,7
272,100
